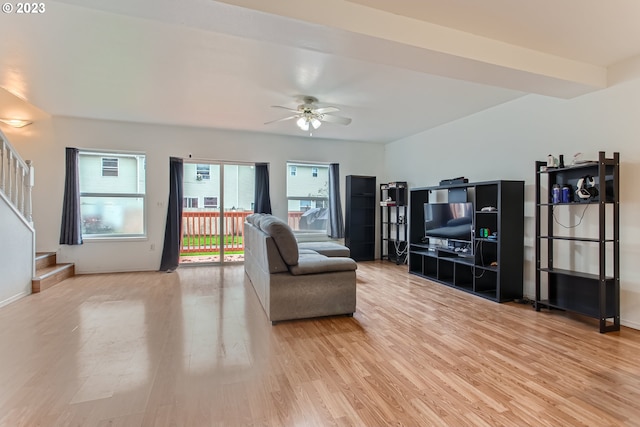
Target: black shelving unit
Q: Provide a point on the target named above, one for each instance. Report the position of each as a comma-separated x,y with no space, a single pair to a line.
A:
580,269
495,269
393,222
360,217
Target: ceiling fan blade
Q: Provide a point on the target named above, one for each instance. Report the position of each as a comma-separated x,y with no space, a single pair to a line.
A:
335,119
293,110
282,120
324,110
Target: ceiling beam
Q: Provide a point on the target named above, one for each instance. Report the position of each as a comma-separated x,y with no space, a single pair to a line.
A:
375,35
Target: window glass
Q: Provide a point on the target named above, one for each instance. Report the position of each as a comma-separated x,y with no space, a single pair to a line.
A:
308,197
112,194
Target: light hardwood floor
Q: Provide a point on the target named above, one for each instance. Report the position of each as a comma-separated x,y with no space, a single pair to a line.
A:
194,348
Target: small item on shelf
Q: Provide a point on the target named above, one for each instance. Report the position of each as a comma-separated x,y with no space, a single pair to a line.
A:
451,181
566,193
555,193
561,164
388,202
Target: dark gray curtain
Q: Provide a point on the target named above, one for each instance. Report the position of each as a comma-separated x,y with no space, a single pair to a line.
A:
71,226
172,231
336,221
262,199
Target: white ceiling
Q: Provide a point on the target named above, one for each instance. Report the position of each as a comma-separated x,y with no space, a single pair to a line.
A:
397,68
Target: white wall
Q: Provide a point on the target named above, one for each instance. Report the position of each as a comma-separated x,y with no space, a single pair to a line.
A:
16,255
45,147
504,142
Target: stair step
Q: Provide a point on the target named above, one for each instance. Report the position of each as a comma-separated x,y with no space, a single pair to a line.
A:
45,259
51,275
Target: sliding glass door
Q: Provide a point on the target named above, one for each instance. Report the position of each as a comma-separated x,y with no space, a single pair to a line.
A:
218,196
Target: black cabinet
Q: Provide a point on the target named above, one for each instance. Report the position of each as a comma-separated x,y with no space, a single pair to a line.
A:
578,239
488,261
393,222
360,217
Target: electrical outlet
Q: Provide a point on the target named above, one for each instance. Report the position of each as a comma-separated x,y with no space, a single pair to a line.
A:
152,247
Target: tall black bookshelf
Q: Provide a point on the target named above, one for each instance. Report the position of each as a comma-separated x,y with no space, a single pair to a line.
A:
360,217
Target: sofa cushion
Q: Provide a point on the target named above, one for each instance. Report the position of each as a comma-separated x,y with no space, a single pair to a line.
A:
326,248
312,264
302,251
283,236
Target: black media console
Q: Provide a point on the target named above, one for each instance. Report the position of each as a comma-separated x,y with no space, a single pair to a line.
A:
488,261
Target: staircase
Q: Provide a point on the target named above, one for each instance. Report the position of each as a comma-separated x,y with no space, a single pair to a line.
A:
49,272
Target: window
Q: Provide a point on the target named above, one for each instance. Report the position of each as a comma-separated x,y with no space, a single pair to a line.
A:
112,194
109,166
308,196
305,205
203,172
210,202
190,202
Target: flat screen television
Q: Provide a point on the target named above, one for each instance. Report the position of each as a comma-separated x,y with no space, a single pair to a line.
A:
452,222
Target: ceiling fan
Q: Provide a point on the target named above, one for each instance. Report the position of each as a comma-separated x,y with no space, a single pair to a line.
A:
309,115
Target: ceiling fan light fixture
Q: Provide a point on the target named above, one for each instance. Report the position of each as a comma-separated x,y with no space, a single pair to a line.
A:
303,123
309,116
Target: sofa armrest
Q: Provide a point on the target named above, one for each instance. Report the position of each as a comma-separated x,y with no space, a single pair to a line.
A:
313,264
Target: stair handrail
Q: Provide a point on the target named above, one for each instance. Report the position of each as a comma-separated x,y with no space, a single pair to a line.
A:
16,179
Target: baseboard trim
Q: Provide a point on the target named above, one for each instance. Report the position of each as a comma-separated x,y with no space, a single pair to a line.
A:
632,325
14,298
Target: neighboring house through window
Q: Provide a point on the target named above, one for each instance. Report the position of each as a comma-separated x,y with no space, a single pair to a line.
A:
308,196
203,172
210,202
190,202
305,205
109,166
112,194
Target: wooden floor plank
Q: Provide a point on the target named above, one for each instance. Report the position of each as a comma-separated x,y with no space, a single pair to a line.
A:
194,347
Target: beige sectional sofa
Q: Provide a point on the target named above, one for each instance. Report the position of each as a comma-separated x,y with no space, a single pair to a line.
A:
295,282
